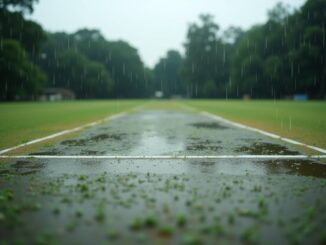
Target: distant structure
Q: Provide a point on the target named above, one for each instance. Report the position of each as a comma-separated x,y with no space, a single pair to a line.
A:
158,95
300,97
57,94
246,97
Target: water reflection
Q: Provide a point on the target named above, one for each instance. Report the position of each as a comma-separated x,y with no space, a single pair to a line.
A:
169,133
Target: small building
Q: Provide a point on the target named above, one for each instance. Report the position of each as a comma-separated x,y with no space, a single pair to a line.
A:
300,97
57,94
246,97
158,94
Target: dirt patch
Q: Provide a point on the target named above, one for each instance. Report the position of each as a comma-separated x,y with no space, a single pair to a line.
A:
194,138
203,145
22,167
296,167
44,153
96,138
207,163
4,172
101,137
266,148
90,152
171,137
208,125
26,164
80,142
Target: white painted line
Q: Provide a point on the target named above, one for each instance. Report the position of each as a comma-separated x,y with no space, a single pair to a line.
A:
163,157
62,133
275,136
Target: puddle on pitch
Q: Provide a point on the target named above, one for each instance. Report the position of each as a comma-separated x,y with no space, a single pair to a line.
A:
153,143
301,167
21,167
263,148
208,125
94,139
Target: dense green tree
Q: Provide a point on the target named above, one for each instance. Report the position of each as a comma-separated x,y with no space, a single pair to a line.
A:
22,5
167,75
127,70
149,82
28,33
120,60
284,56
88,79
247,64
281,57
67,67
307,49
20,42
232,34
55,44
259,58
20,79
206,64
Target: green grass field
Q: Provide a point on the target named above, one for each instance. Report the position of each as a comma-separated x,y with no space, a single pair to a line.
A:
21,122
303,121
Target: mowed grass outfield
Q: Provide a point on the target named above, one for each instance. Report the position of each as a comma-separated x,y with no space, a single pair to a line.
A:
303,121
21,122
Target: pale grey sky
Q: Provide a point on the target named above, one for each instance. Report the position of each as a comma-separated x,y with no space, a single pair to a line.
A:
152,26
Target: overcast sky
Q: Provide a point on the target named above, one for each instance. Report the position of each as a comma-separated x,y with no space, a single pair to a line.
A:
152,26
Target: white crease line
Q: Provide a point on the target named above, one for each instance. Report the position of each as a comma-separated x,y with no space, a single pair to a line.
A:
63,132
275,136
163,157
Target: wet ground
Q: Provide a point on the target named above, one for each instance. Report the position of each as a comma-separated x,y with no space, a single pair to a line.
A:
164,201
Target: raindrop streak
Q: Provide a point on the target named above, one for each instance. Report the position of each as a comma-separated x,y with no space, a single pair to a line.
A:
323,28
266,43
123,69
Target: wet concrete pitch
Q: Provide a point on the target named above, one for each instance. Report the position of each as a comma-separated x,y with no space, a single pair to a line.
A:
164,201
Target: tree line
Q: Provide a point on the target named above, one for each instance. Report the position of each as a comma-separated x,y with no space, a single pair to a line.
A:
279,58
83,62
282,57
